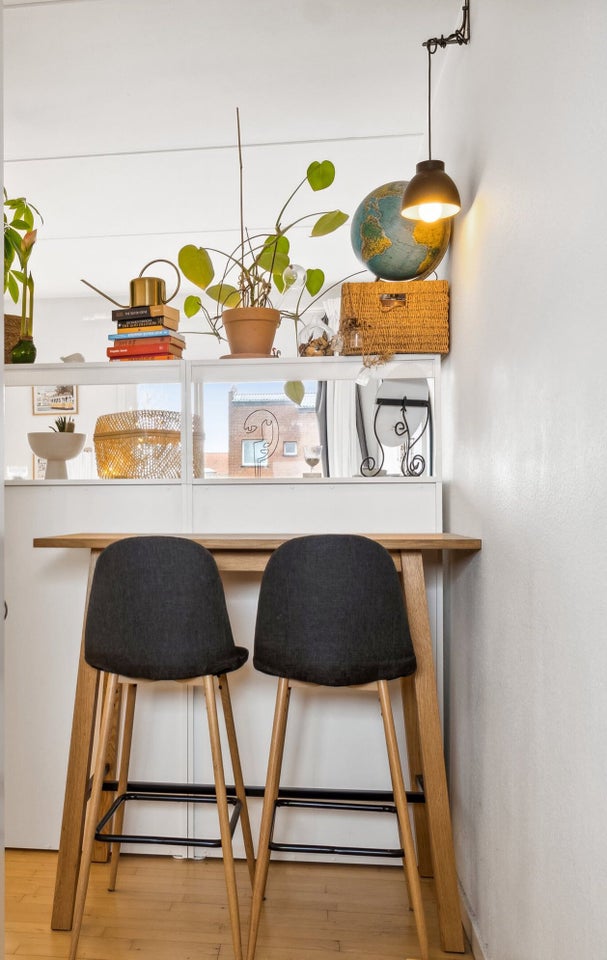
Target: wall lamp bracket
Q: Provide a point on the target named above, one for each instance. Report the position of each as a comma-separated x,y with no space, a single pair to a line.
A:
461,36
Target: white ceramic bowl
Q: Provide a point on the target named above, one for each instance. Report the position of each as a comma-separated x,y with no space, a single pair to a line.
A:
56,448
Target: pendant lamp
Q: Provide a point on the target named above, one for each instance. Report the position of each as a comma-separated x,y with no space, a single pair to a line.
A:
431,194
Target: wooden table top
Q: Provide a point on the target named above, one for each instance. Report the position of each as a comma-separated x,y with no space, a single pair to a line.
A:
249,553
266,541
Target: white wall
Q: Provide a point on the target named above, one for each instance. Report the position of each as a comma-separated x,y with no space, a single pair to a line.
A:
520,122
2,596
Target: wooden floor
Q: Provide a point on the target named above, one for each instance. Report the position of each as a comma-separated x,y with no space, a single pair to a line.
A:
169,909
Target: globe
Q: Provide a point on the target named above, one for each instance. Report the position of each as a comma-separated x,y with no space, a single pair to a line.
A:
392,247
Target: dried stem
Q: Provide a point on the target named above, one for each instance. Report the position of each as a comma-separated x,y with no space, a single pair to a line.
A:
241,284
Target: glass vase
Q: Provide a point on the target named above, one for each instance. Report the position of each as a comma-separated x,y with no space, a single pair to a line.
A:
24,351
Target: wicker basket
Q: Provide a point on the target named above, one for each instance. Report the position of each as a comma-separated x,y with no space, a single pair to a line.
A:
142,444
12,334
382,318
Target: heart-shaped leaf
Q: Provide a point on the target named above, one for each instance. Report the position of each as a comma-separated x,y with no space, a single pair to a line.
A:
294,390
196,266
320,174
225,294
279,283
275,254
328,223
191,306
314,281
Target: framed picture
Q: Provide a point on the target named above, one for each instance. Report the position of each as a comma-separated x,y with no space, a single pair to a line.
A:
38,468
59,399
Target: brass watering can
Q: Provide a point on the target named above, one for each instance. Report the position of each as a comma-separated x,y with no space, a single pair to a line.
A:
145,291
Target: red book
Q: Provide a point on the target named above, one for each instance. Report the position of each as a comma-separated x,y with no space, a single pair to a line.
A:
144,356
148,346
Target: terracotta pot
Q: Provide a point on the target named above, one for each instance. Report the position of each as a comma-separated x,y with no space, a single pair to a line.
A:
251,330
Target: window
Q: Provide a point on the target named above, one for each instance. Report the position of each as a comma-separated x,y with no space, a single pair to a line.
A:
254,453
289,448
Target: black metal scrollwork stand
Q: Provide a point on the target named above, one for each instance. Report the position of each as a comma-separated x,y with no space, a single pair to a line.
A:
412,464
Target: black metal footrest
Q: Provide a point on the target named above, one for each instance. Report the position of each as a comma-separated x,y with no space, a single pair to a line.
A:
168,793
373,801
351,805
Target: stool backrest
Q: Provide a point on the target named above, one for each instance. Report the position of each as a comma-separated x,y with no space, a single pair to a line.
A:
331,611
157,611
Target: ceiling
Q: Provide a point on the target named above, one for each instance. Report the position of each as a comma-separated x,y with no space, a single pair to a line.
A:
120,122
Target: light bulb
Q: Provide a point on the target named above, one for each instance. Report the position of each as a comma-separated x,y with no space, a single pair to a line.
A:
430,212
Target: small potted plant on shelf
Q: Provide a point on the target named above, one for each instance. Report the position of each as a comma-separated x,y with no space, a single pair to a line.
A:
256,270
19,239
64,425
62,444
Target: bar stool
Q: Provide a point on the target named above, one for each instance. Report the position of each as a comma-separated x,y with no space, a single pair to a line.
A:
157,612
331,613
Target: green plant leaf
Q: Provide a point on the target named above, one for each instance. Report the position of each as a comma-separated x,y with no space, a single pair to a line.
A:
321,175
279,282
196,266
294,390
13,288
328,223
21,224
314,281
225,294
191,306
274,256
13,238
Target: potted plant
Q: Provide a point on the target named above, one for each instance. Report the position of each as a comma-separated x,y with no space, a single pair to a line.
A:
57,447
19,239
64,425
257,269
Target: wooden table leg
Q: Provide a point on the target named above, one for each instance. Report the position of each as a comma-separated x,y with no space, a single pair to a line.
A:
77,782
424,701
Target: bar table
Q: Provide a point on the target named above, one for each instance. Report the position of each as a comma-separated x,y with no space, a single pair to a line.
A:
247,553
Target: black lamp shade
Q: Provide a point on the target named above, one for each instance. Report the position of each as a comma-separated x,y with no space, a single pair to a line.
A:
431,194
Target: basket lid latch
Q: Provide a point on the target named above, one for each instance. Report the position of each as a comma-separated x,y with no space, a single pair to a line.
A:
388,301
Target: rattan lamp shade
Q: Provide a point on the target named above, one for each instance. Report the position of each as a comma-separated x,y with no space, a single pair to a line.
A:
142,445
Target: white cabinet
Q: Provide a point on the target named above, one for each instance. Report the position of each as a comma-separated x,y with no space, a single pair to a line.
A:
45,589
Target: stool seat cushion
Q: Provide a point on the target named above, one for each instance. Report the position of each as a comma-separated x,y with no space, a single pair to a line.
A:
157,612
331,611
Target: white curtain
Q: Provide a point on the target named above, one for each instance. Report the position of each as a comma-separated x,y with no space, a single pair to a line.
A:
343,449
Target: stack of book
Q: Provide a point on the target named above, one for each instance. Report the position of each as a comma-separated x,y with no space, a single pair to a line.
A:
146,333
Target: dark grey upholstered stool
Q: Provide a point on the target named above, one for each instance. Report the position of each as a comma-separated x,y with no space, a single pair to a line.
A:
331,612
157,612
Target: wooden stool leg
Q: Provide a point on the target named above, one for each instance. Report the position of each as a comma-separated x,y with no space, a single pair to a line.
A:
224,817
277,744
433,760
400,798
94,806
245,823
420,816
101,851
125,757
